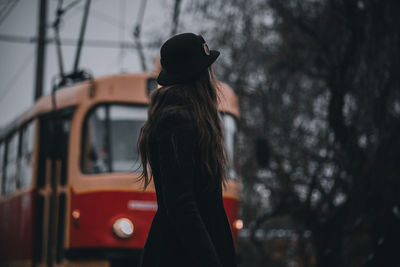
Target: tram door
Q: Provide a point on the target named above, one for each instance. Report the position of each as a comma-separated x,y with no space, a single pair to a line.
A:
50,209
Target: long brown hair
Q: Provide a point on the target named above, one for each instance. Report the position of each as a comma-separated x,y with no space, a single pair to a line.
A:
202,98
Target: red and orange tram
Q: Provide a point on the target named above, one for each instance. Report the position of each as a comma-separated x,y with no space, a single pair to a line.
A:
68,169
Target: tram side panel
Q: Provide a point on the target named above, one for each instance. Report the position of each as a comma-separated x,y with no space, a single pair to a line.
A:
17,195
95,213
16,230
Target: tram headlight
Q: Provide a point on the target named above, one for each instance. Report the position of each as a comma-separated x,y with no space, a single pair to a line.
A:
123,228
238,224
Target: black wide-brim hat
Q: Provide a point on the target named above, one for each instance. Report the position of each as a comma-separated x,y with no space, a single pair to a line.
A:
183,58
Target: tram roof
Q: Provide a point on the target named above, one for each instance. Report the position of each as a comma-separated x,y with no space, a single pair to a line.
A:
116,87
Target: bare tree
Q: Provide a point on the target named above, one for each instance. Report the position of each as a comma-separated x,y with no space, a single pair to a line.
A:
319,89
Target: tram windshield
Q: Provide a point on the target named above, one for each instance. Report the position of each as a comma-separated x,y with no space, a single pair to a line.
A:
230,130
109,138
111,132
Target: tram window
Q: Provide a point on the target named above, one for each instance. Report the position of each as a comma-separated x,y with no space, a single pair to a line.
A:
230,130
11,165
25,160
110,137
125,124
95,153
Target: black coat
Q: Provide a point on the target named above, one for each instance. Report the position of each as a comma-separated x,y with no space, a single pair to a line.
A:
190,227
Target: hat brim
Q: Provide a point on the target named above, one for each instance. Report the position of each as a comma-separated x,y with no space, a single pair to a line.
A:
167,79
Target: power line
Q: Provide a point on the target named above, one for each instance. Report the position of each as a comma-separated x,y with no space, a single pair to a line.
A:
71,5
7,10
142,8
74,12
96,14
137,33
100,16
6,6
122,13
72,42
81,36
16,77
17,39
56,26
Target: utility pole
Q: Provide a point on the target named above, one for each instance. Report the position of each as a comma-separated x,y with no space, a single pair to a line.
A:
41,48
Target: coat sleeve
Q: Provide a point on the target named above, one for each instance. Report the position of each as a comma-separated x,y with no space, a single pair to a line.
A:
176,141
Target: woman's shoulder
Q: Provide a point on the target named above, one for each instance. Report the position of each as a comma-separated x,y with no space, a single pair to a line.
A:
174,95
173,119
175,112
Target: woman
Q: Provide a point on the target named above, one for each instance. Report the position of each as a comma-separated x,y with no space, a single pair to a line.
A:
181,148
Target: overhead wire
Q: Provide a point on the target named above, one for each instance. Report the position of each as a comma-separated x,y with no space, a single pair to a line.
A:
5,7
72,42
73,10
89,42
16,76
142,8
17,39
81,35
100,16
137,34
122,12
71,5
56,27
65,41
7,10
70,14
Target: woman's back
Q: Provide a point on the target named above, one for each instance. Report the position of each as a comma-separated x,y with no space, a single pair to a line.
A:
182,145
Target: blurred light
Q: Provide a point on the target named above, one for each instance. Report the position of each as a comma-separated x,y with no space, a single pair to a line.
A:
76,214
238,224
123,228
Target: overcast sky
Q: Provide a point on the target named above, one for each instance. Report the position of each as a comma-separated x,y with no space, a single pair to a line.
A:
108,20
